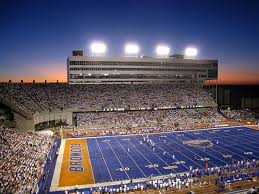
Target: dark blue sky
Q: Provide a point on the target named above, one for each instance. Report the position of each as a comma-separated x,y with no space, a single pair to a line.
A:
36,36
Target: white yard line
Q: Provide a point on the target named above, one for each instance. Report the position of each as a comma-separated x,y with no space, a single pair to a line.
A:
131,158
215,150
232,145
190,151
117,158
172,156
238,148
156,154
245,140
104,159
146,158
184,155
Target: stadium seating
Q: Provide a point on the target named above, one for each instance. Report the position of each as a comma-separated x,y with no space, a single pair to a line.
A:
41,97
25,158
22,158
237,114
146,118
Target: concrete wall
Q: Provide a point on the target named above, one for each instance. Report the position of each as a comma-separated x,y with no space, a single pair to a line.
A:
26,124
53,116
22,123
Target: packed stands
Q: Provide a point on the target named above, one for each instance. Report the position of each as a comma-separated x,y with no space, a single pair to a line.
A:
146,118
242,114
38,97
112,110
22,159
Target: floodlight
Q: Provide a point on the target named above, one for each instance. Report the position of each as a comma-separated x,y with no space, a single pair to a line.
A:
98,47
162,50
191,52
131,49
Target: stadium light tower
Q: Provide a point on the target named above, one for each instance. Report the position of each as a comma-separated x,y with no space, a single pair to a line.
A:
98,48
191,52
131,49
162,51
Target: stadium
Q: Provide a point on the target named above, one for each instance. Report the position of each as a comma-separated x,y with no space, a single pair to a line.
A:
127,124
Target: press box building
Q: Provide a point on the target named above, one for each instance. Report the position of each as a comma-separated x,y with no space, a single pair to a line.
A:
103,69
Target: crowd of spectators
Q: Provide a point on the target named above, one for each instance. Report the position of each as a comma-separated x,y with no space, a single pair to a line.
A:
241,114
23,155
107,132
146,118
221,176
38,97
22,159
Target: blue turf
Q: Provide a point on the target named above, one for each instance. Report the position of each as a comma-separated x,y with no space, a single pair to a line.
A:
110,154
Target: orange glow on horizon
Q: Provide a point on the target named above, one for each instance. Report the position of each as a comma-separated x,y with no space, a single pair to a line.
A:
38,74
227,76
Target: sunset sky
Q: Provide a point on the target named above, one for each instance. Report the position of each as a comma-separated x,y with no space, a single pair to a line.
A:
37,36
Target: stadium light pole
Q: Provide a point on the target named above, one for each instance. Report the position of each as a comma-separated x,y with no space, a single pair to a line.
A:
131,49
162,51
190,52
98,48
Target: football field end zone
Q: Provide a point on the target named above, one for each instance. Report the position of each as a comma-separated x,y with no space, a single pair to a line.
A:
63,177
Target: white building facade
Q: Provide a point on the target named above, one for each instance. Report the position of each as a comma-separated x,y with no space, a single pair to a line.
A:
102,69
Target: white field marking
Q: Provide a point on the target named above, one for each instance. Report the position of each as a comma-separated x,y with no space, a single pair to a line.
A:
191,151
248,136
58,165
169,154
241,136
126,139
215,150
209,154
104,159
132,158
247,133
241,145
118,159
145,157
90,159
244,138
156,155
184,155
226,149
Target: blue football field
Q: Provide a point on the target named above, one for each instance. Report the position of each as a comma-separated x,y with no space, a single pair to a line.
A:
117,158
